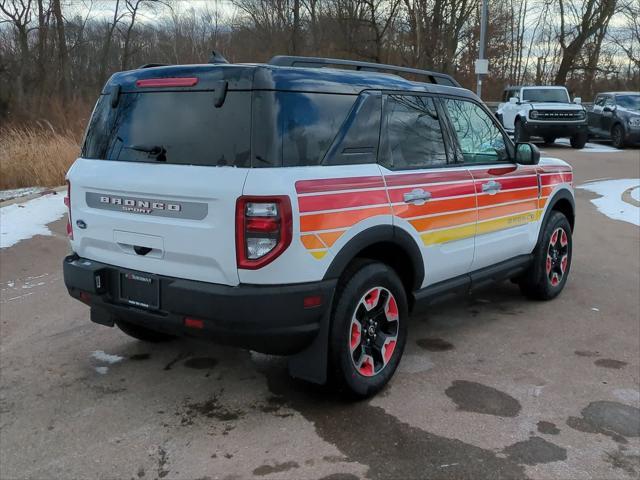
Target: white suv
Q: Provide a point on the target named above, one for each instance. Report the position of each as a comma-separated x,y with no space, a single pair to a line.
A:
545,112
304,211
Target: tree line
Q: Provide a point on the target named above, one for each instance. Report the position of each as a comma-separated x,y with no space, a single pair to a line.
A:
55,55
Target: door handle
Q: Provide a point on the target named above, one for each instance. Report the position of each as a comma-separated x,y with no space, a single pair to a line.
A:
491,187
417,196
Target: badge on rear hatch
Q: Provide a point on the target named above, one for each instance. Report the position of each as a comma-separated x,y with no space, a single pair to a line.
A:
147,206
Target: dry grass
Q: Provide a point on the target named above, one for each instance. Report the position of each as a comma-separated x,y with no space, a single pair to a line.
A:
34,157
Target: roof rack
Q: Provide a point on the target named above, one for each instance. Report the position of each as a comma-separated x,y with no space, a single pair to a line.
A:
319,62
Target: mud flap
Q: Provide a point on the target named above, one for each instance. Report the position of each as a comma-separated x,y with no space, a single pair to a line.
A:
311,363
98,315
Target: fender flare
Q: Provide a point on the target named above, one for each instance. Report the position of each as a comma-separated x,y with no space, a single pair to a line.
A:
562,194
371,236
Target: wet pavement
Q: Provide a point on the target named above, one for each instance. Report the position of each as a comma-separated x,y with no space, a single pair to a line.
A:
491,386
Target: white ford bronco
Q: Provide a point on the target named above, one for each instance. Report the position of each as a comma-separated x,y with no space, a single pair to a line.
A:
292,209
545,112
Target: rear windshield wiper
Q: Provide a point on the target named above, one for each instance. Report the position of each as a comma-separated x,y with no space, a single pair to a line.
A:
150,149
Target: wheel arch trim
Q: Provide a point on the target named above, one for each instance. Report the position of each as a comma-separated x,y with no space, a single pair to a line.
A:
376,235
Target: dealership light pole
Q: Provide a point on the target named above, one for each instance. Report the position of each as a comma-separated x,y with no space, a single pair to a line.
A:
482,64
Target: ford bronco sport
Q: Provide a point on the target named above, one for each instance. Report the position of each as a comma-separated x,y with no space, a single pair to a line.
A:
545,112
292,209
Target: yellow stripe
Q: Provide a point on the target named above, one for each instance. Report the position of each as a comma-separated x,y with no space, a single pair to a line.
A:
448,234
487,226
318,253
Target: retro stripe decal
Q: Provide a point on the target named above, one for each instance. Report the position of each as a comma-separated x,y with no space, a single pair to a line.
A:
457,209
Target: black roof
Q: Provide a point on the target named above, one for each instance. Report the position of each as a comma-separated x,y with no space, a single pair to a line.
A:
275,77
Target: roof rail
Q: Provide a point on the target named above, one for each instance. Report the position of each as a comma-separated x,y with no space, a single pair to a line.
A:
319,62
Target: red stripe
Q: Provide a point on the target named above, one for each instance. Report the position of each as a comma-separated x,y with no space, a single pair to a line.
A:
554,179
167,82
342,200
436,191
334,184
510,183
425,178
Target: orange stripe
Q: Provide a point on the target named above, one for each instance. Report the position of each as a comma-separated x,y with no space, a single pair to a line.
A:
442,221
489,213
326,221
440,206
504,197
311,242
330,237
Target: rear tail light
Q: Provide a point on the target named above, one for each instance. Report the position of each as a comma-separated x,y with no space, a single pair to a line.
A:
67,202
263,230
167,82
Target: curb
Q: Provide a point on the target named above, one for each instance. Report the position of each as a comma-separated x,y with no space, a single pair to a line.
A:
26,198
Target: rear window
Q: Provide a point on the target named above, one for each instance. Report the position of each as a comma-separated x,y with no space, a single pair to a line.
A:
172,127
294,128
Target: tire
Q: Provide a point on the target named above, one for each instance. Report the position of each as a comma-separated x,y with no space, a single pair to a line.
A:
142,333
519,133
368,328
547,275
617,136
579,141
549,140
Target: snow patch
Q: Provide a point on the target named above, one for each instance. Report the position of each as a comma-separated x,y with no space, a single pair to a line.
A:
106,357
22,221
589,147
102,370
611,203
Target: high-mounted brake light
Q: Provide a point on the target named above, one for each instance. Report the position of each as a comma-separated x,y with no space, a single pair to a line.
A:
263,230
67,202
167,82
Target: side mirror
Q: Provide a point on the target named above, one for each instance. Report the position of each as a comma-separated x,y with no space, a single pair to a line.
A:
607,109
578,100
527,154
513,100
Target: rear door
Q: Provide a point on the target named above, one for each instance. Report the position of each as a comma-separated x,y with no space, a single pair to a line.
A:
594,115
507,193
156,187
431,199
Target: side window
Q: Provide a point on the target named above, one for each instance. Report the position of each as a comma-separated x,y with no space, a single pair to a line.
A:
357,140
413,134
481,141
608,102
599,100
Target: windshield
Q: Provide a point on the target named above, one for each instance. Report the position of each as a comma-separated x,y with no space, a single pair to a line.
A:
553,95
172,127
631,102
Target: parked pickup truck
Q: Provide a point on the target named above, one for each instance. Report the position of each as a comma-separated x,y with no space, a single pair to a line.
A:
545,112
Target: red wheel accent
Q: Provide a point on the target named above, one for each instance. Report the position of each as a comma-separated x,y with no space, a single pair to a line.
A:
387,350
391,310
555,280
549,263
366,367
371,298
554,237
563,263
563,239
356,333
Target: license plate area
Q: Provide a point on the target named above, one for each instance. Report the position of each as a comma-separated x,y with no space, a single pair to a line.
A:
140,290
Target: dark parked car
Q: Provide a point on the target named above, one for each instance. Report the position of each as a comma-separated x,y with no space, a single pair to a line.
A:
616,116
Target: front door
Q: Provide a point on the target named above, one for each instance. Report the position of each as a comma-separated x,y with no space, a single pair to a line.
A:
431,200
506,193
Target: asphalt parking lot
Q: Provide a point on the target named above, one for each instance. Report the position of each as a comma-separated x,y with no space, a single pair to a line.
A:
491,386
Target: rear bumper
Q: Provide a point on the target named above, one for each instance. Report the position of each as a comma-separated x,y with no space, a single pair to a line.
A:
542,129
266,318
